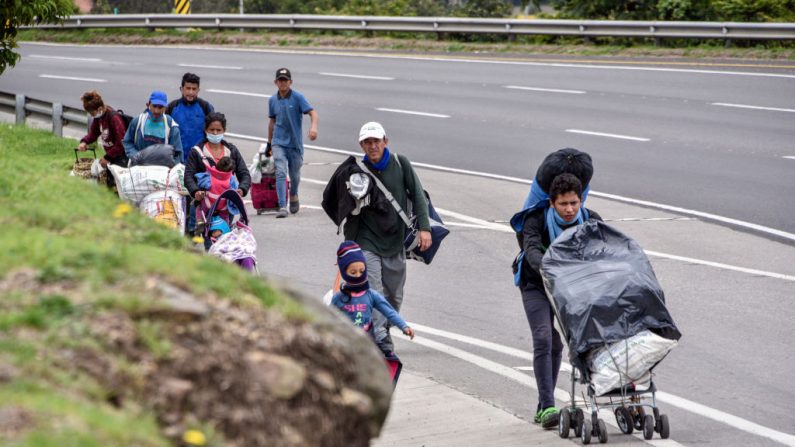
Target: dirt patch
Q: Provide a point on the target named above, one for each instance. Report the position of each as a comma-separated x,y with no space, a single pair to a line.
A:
14,420
256,377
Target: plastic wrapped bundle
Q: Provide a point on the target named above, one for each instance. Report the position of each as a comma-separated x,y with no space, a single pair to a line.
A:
603,290
627,361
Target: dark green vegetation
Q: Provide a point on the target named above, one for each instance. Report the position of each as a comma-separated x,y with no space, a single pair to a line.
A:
16,13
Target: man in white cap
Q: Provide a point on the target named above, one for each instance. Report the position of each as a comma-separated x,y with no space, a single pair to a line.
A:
383,245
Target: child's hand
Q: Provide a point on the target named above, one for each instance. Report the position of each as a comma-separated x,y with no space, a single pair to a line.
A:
409,331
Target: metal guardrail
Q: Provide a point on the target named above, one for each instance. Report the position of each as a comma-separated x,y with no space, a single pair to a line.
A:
59,114
441,25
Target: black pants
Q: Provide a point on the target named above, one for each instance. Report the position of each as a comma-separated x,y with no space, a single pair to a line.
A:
547,346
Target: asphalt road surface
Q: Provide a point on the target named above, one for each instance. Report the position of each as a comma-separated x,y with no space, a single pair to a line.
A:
713,138
730,291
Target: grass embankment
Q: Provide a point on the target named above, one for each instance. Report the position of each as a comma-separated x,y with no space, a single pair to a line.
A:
407,42
69,252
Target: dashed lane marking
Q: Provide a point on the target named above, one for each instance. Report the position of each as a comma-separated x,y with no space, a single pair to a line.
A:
71,78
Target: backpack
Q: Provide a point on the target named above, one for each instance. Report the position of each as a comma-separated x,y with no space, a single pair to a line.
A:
127,119
170,124
567,160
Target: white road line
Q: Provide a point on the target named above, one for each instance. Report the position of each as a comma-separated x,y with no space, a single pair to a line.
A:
586,65
486,225
661,206
551,90
342,75
64,58
411,112
516,376
311,180
721,266
215,67
523,368
685,404
609,135
789,157
70,78
233,92
743,106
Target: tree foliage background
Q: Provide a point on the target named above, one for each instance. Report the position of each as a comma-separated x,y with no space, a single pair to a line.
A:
710,10
16,13
422,8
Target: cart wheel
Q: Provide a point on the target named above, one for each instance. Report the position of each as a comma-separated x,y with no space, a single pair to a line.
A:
577,422
638,417
648,426
585,432
259,211
602,434
564,423
624,420
662,426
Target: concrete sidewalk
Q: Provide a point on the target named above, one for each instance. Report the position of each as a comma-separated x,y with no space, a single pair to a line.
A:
427,413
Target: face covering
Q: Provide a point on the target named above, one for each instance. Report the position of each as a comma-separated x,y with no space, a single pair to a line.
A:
98,114
215,139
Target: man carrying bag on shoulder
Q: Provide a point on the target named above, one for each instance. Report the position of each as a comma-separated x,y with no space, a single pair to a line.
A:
380,231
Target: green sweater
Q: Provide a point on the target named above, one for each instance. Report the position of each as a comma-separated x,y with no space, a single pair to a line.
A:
403,183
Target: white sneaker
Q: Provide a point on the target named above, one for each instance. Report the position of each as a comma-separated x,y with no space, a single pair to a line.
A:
282,213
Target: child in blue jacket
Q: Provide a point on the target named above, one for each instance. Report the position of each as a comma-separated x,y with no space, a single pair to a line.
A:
356,298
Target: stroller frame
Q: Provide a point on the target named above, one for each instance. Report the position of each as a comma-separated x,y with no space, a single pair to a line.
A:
234,198
628,404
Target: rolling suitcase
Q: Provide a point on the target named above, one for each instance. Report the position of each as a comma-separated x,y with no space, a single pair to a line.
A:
263,194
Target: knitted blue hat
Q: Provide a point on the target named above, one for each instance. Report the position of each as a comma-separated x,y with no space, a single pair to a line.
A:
219,223
348,253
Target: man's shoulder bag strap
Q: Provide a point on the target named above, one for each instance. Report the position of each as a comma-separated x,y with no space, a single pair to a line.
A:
386,192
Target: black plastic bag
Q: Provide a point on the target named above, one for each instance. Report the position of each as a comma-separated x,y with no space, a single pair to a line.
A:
567,160
157,155
602,289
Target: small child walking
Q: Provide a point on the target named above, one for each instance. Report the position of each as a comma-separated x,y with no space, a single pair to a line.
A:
356,298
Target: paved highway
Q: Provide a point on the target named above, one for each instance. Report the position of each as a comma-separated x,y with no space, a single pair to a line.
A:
717,139
730,291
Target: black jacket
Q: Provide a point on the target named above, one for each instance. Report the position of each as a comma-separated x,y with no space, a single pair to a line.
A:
534,240
196,164
338,202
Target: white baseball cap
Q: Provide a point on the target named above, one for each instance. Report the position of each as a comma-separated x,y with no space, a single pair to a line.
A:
371,130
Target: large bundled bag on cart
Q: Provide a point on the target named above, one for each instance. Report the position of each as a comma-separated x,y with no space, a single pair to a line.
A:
604,292
166,207
137,182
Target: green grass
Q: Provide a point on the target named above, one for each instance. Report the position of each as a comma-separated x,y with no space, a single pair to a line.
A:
65,229
69,254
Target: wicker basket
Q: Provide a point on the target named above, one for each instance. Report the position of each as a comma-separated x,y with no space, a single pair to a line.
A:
82,166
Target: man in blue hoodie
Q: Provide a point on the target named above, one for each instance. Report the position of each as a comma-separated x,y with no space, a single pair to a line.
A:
189,112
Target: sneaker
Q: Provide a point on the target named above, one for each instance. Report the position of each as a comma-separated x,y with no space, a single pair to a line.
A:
294,204
549,417
282,213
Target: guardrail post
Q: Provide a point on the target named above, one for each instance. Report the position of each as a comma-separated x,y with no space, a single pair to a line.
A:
57,119
19,107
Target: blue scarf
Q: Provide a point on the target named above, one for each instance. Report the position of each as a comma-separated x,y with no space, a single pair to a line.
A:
382,163
555,223
536,199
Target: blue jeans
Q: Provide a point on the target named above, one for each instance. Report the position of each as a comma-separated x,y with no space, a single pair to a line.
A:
547,346
287,158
